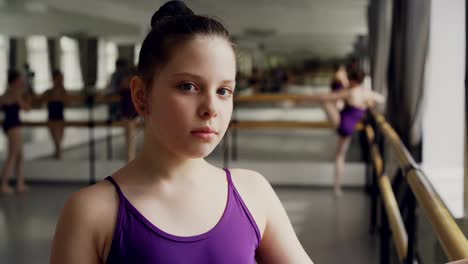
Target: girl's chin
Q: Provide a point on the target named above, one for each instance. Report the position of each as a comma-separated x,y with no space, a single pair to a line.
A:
200,152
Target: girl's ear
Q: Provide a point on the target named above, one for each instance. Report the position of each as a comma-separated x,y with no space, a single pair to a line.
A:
139,95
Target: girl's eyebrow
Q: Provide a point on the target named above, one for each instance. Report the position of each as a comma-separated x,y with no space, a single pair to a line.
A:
198,77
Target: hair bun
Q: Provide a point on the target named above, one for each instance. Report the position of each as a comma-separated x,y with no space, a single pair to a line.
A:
170,9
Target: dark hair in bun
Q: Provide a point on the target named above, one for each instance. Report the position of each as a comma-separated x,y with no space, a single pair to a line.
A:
356,76
13,75
170,9
56,73
171,25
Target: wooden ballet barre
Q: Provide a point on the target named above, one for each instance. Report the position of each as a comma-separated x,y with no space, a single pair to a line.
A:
81,123
284,124
78,99
128,126
98,98
395,220
450,236
267,98
106,98
448,232
233,124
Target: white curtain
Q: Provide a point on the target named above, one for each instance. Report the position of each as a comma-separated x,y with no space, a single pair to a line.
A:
70,64
4,51
107,55
410,42
380,28
38,59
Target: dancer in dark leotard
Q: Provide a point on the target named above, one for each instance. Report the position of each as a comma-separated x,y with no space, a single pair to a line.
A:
55,98
11,103
11,116
55,110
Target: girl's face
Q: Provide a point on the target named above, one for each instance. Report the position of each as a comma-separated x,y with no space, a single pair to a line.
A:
18,85
58,80
191,98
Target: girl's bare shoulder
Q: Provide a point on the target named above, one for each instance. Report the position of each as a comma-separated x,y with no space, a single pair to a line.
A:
93,207
256,193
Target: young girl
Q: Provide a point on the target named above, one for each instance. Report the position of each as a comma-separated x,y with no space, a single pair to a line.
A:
356,102
12,102
55,98
169,205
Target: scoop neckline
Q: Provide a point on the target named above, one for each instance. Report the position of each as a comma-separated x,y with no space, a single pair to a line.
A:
167,235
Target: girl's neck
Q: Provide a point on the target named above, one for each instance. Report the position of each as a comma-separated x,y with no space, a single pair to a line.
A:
157,163
58,88
11,93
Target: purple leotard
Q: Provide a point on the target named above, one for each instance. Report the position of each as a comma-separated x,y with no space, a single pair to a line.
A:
234,239
350,116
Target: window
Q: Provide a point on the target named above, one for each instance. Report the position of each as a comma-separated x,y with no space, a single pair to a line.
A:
70,64
38,60
4,51
107,55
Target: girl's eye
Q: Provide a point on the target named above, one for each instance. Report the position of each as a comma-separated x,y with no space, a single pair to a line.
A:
187,86
224,91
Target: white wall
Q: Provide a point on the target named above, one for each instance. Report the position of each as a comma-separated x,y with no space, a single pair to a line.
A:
444,118
55,23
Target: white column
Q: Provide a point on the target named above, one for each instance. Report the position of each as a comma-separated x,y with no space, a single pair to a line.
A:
4,51
137,53
444,118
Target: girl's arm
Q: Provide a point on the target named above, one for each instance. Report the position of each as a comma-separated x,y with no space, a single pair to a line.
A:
377,97
80,231
374,97
24,104
334,96
73,241
279,242
41,99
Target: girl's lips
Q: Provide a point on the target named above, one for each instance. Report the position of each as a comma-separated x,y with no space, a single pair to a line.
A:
204,135
204,130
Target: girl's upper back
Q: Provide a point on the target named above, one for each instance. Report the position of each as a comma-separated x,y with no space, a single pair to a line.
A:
234,239
359,97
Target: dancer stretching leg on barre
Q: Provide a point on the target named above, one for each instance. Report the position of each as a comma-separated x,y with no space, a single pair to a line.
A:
11,102
357,101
